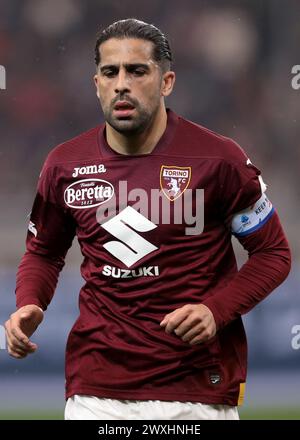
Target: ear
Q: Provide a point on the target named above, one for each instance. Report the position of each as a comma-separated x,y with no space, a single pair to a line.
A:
168,81
95,78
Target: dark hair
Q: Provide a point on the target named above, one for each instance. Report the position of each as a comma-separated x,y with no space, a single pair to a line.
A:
133,28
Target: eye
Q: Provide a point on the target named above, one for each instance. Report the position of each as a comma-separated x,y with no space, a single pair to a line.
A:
136,71
139,72
109,73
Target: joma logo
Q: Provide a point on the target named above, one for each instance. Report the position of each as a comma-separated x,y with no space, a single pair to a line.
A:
90,169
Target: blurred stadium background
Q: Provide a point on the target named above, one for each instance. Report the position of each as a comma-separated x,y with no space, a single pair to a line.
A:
233,62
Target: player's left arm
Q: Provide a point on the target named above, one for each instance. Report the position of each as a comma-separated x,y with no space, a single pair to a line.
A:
268,266
261,234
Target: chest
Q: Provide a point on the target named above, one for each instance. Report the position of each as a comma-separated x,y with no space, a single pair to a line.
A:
172,192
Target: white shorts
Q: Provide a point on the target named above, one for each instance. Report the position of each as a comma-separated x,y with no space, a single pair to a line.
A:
80,407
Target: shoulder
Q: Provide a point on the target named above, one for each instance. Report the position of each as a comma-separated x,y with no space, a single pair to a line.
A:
81,147
203,142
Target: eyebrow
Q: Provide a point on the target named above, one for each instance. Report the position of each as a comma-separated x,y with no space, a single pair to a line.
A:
128,66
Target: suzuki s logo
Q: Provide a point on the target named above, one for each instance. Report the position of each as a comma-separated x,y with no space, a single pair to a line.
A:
174,180
88,193
131,247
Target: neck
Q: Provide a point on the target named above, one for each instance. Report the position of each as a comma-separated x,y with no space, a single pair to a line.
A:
141,143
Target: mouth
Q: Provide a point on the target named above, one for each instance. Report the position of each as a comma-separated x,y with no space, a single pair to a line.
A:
123,109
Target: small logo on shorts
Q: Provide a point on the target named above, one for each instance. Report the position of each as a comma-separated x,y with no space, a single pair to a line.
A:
215,378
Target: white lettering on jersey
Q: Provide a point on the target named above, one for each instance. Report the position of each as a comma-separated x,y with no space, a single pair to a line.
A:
90,169
32,228
116,272
131,247
88,193
253,218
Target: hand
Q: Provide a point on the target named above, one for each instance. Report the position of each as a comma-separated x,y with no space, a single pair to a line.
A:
193,323
21,325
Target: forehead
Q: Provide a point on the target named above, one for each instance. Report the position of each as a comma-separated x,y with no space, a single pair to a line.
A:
127,50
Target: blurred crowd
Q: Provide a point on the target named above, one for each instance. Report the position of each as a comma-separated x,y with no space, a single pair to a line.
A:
233,62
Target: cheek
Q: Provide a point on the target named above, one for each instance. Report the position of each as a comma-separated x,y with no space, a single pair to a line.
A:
153,94
103,95
149,91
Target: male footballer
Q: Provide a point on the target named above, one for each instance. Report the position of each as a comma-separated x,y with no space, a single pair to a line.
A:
154,200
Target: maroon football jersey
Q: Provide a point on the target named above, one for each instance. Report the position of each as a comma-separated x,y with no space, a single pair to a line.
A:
155,234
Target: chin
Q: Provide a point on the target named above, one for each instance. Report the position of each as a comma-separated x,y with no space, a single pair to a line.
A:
126,126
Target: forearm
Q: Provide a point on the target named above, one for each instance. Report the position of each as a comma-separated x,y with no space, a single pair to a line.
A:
268,266
37,279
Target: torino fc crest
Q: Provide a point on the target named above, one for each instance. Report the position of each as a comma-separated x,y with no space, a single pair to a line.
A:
174,180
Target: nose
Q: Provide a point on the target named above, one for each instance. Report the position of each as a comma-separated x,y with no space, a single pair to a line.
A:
122,84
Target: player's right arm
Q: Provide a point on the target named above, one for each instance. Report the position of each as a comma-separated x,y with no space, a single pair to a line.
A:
50,234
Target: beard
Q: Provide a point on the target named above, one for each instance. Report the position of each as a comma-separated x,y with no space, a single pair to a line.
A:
131,125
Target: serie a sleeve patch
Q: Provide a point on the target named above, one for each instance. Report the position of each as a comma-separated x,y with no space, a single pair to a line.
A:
252,218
